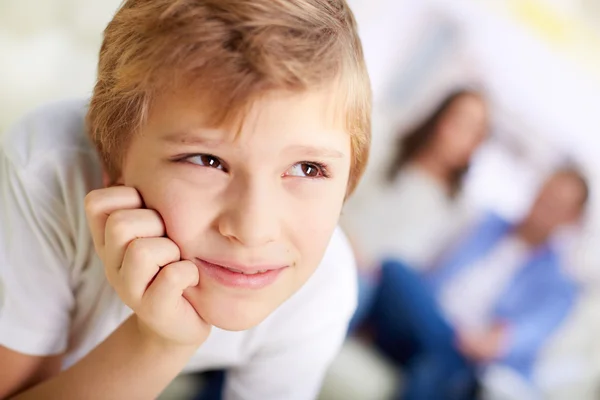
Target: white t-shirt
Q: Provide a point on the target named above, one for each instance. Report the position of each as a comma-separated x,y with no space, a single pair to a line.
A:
412,220
469,298
54,297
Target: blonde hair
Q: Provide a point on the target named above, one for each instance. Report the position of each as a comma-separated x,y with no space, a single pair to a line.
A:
234,51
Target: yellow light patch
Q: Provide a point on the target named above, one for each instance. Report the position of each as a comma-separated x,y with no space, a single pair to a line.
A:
570,36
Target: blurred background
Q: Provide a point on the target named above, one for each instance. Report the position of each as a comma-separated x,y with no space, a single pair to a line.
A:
536,64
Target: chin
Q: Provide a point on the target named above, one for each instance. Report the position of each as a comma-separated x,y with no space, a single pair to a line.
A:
233,325
232,314
233,322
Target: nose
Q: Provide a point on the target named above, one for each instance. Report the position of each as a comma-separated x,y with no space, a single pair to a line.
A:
250,215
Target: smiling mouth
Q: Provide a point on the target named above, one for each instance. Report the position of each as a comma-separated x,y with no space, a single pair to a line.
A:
239,276
262,271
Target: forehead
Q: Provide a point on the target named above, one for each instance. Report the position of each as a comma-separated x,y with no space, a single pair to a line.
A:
468,103
311,118
285,112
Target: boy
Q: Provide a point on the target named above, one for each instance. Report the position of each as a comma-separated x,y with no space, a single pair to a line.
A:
223,137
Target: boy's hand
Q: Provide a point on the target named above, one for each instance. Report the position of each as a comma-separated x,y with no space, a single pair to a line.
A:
143,266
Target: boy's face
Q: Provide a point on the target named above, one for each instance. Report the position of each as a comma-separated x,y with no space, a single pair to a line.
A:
264,196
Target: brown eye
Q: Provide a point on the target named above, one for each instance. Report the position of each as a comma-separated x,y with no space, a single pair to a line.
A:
306,170
206,160
310,170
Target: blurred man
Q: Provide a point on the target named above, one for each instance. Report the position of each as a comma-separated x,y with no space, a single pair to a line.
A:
493,299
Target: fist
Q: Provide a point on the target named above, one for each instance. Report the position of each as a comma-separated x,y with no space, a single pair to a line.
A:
143,266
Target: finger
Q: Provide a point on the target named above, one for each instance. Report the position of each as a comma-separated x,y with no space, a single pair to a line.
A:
124,226
143,259
99,204
166,292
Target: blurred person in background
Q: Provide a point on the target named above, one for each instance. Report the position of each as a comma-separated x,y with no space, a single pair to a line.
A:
420,209
492,300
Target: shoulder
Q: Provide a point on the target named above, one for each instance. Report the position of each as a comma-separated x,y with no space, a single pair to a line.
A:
336,275
48,152
50,130
47,166
332,288
491,225
554,261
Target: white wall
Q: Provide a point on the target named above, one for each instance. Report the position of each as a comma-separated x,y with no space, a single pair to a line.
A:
48,51
546,106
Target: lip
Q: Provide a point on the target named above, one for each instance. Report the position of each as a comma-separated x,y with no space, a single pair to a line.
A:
227,274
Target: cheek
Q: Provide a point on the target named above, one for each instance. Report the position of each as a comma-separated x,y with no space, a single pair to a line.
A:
312,219
459,146
186,214
447,138
311,234
184,222
306,212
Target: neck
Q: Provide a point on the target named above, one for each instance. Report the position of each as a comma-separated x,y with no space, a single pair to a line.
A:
531,235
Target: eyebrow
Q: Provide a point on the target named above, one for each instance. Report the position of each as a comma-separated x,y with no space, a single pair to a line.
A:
314,151
304,150
191,138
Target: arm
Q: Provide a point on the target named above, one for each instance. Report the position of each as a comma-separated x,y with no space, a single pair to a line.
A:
144,354
42,237
526,335
520,339
127,365
25,370
35,297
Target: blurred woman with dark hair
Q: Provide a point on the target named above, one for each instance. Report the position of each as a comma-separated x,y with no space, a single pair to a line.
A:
419,209
442,145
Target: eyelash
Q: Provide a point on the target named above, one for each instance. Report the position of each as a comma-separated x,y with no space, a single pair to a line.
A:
186,159
321,167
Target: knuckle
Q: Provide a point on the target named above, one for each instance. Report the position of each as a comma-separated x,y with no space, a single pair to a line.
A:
171,274
118,225
173,249
139,252
157,221
92,202
186,265
119,218
130,193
